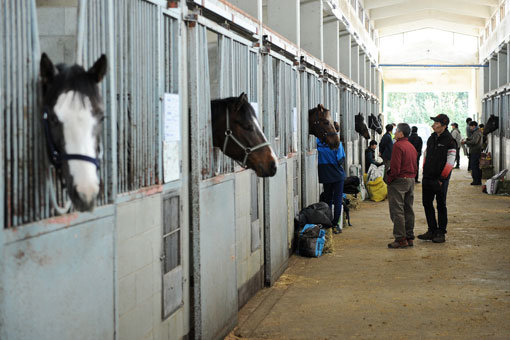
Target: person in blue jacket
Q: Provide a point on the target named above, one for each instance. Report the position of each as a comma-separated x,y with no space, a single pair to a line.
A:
332,177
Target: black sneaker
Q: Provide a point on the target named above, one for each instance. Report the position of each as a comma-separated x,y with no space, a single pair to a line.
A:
428,236
439,238
337,229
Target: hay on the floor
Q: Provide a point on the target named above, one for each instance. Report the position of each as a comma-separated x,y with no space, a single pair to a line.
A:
328,244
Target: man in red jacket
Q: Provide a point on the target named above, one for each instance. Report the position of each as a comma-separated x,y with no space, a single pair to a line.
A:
400,180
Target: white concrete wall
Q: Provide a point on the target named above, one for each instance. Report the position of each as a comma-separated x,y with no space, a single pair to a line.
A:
139,273
58,37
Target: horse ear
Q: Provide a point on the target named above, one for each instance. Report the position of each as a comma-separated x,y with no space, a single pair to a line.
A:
47,70
320,107
243,98
98,70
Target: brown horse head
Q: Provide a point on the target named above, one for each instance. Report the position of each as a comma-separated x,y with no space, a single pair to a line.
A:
320,124
360,126
237,133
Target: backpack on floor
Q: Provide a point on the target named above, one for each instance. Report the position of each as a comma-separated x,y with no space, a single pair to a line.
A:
311,240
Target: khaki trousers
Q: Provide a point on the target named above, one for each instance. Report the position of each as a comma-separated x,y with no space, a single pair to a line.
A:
400,200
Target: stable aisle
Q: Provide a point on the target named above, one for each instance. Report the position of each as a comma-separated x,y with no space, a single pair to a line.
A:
459,289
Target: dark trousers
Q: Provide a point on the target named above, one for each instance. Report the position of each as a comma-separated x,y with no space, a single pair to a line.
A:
432,189
333,193
469,161
457,158
417,167
476,173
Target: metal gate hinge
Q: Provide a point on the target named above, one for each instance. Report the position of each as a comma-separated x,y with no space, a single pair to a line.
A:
191,19
302,66
266,47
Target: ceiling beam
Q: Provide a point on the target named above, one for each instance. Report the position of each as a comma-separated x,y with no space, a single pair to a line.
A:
452,6
428,23
431,15
370,4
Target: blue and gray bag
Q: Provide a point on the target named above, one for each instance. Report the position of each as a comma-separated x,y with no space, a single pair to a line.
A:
311,240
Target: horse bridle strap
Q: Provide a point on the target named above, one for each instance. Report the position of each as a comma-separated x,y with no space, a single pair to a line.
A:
247,150
56,158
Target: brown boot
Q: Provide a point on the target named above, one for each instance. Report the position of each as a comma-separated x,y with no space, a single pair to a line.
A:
400,243
410,242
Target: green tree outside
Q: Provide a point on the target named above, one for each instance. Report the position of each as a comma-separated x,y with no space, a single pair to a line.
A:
418,107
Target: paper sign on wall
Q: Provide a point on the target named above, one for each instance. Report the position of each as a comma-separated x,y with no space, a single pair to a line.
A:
172,117
171,137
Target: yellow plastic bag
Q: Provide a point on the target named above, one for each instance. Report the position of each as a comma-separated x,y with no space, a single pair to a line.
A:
377,190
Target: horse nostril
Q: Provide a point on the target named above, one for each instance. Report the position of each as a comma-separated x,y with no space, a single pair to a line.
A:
273,167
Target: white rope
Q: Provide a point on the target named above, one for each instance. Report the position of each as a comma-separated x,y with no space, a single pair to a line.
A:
53,196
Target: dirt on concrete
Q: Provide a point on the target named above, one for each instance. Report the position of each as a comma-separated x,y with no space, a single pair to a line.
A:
456,290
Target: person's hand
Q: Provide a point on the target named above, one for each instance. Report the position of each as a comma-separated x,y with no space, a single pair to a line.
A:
440,183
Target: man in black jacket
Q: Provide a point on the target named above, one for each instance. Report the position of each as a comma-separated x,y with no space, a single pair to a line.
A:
386,147
418,144
437,168
370,155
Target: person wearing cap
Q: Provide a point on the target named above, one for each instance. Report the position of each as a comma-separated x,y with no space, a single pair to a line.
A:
418,144
370,155
458,139
386,147
439,159
400,180
475,143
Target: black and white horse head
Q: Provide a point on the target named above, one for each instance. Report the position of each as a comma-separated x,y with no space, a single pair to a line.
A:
491,125
374,123
72,119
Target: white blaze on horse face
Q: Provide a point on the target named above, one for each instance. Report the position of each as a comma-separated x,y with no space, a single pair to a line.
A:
75,113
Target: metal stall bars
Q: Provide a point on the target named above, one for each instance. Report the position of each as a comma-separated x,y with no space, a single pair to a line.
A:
280,127
213,220
345,121
504,129
138,78
22,149
494,136
33,261
356,100
311,96
95,29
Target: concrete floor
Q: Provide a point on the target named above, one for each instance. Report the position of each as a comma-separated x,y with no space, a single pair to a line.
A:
456,290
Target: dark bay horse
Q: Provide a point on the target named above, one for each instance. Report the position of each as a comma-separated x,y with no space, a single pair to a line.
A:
72,116
320,124
360,126
374,123
491,125
237,133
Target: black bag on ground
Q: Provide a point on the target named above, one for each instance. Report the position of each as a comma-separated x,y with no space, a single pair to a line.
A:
351,185
317,213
